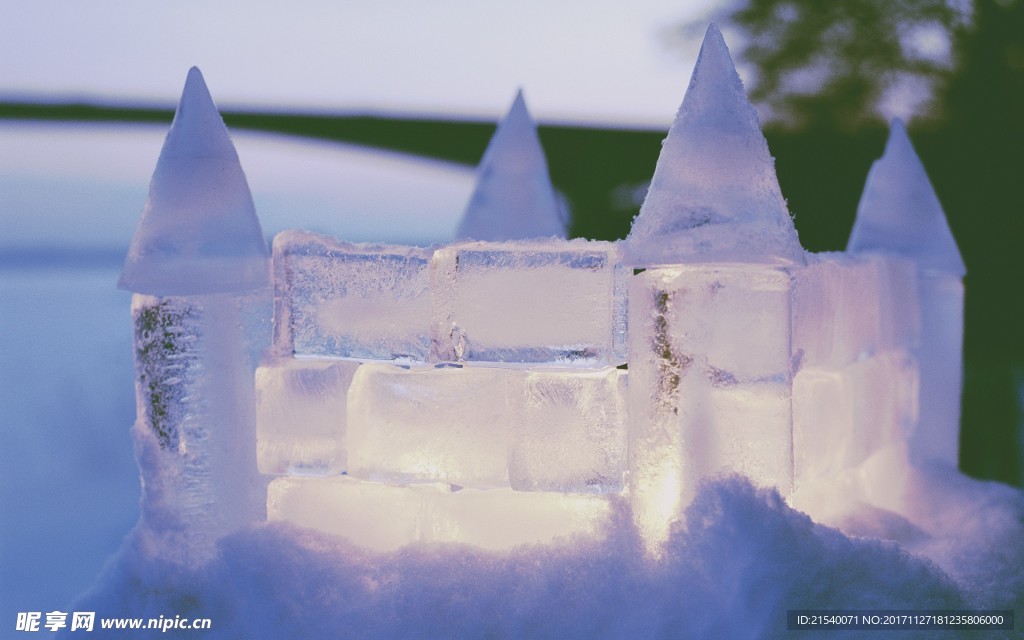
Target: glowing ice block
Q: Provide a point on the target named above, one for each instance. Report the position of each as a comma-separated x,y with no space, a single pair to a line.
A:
573,433
843,415
384,517
837,310
301,416
448,424
513,198
690,416
553,302
714,196
361,301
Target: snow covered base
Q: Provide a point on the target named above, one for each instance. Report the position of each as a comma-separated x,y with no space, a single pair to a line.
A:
732,568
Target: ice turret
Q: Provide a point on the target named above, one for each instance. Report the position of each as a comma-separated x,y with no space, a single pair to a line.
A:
714,196
201,309
513,198
900,214
199,232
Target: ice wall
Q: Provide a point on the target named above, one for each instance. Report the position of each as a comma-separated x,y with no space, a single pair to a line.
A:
513,198
199,268
899,214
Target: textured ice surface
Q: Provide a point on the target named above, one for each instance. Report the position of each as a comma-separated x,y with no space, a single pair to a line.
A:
513,198
337,299
448,424
714,196
846,308
196,424
573,433
708,384
383,517
301,416
199,232
841,416
545,302
900,213
733,322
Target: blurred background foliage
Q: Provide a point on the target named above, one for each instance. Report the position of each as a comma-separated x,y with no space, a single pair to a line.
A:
825,76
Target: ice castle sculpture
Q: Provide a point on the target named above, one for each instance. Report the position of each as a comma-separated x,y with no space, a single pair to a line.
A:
515,388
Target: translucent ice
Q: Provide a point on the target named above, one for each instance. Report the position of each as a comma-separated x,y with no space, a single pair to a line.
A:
543,303
300,415
427,424
708,385
836,310
384,517
573,433
199,232
900,213
513,198
714,196
346,300
196,425
841,416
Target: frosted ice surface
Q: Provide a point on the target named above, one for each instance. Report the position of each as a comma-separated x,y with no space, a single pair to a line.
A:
838,309
714,196
301,416
385,517
843,415
541,303
199,232
194,390
448,424
573,433
900,213
336,299
731,321
513,198
708,384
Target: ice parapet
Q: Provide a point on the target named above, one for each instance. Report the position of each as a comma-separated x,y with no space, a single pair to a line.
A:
199,232
545,302
363,301
513,198
714,196
899,212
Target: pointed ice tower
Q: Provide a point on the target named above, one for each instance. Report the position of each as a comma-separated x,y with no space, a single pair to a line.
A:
714,196
513,198
709,315
900,214
199,269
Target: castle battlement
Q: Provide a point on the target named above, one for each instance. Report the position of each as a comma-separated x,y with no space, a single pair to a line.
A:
517,388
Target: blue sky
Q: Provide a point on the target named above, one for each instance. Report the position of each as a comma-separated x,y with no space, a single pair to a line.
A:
597,61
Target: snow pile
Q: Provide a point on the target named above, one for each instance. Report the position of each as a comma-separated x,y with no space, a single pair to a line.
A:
740,560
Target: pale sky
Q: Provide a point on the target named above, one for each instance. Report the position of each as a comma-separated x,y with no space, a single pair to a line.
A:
577,60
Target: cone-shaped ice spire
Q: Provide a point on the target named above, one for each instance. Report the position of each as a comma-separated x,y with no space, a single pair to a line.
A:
900,213
714,196
513,198
199,232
